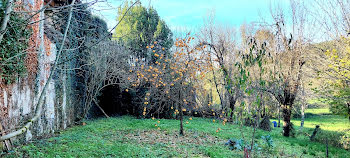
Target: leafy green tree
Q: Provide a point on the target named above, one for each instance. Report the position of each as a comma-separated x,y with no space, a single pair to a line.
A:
141,27
340,103
339,84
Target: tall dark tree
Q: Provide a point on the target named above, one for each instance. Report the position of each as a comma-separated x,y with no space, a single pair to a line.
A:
141,27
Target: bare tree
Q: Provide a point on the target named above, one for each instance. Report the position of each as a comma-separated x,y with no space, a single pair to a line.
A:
221,55
333,17
107,64
331,65
289,54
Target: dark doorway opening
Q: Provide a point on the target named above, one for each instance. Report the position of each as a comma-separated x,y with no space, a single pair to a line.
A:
114,101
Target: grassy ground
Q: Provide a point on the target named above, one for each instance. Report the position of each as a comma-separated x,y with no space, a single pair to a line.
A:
130,137
323,118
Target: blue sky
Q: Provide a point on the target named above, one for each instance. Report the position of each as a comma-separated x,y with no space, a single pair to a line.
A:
189,14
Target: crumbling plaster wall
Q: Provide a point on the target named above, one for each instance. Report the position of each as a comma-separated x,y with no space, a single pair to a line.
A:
18,100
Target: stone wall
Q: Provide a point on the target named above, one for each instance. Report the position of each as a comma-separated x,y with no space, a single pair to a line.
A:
18,100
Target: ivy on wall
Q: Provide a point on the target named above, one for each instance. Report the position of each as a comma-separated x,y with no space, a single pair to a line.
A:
13,46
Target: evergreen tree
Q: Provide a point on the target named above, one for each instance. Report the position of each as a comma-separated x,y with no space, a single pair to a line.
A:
141,27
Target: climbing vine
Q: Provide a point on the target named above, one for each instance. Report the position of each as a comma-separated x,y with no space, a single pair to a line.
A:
13,46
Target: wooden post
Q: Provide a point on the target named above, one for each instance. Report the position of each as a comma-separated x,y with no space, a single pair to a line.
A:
348,110
312,137
327,147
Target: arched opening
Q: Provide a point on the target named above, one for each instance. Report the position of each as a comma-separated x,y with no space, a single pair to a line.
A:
114,101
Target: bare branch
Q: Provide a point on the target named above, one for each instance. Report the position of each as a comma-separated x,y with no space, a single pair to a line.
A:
41,98
6,19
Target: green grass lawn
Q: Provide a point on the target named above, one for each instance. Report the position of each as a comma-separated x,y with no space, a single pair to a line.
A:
130,137
325,120
324,111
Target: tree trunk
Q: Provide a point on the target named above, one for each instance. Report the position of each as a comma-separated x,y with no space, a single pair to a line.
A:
181,121
303,106
279,116
100,108
181,116
302,115
232,105
348,110
286,112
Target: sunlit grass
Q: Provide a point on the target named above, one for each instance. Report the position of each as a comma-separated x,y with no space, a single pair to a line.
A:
130,137
318,111
324,118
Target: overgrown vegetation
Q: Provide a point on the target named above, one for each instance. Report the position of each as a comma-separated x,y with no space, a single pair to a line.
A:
13,46
333,129
237,86
130,137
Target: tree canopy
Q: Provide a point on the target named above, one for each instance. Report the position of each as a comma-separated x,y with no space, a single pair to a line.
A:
140,27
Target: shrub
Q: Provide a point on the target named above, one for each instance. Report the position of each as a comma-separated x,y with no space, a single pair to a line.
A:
265,124
338,139
240,144
345,140
268,144
249,121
